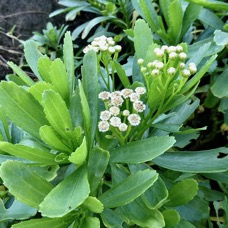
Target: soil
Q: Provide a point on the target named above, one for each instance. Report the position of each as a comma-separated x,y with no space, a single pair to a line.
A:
18,19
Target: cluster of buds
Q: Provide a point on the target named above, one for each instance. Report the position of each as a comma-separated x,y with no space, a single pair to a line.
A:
169,60
102,44
123,108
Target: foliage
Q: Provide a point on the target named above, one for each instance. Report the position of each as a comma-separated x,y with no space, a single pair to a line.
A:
109,147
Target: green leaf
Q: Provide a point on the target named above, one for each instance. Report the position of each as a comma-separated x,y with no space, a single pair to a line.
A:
57,113
155,196
22,108
59,79
79,156
219,88
171,217
221,38
37,90
214,5
190,15
49,172
97,169
141,151
175,16
68,56
122,75
32,56
26,152
15,79
90,87
143,38
51,138
17,210
44,64
85,112
194,161
23,76
47,222
90,222
129,189
195,79
93,204
182,192
67,195
24,183
138,213
111,219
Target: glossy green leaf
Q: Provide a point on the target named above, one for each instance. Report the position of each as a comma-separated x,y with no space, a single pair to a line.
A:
48,172
141,151
59,79
111,219
185,224
138,213
93,204
97,169
171,217
67,195
194,161
143,38
79,156
37,90
15,79
219,88
57,113
122,75
46,222
24,183
17,210
90,87
182,192
155,196
32,56
27,152
128,189
214,5
175,16
68,56
22,108
23,76
44,64
51,138
221,38
85,112
90,222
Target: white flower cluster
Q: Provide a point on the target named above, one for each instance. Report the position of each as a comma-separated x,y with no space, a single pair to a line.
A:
117,115
102,44
170,59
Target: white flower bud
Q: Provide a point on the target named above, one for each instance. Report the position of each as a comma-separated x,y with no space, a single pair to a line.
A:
159,65
159,52
182,65
164,48
171,71
171,49
143,69
155,72
134,119
140,90
115,121
139,106
103,126
134,97
111,50
118,48
179,48
172,55
140,61
182,56
186,73
123,127
104,95
126,112
126,92
114,110
105,115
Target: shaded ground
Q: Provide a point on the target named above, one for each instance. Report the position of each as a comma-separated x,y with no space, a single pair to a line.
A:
18,19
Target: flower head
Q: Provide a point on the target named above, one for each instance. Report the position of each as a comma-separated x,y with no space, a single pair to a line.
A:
103,126
115,121
134,119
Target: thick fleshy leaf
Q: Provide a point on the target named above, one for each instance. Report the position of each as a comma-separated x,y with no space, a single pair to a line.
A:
24,183
171,217
44,64
23,76
96,169
46,222
51,138
68,57
221,38
48,172
26,152
16,211
90,87
93,204
205,161
32,56
129,189
79,156
90,222
219,88
22,108
142,151
57,113
38,89
138,213
67,195
111,219
59,79
182,192
143,38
